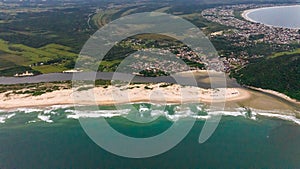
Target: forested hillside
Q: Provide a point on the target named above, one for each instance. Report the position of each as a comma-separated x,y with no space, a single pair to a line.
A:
280,73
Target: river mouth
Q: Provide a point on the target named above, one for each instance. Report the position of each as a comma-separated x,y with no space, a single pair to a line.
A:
275,16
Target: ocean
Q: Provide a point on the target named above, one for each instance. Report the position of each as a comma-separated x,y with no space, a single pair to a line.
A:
281,16
54,139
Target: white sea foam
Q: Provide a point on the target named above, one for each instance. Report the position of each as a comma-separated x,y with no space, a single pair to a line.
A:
155,113
55,107
50,112
5,117
143,109
76,114
29,110
179,114
45,114
32,121
32,110
45,118
227,113
201,117
283,117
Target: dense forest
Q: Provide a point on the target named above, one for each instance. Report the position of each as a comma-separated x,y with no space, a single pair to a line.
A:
281,74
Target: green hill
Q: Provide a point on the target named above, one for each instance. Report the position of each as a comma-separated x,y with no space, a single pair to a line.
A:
281,73
18,58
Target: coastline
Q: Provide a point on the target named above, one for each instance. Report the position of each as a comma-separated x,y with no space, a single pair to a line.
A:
155,93
162,93
261,102
172,94
247,12
275,93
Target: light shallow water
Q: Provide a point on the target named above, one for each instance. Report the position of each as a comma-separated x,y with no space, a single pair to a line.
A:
31,141
286,16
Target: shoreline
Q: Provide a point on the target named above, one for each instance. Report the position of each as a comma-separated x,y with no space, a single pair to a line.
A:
275,93
247,12
172,94
237,100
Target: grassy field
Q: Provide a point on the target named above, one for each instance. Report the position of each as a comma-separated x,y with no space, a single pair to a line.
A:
6,61
109,66
278,54
34,89
48,59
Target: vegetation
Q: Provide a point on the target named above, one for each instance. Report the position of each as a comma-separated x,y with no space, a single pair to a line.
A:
34,89
41,88
248,112
49,39
18,58
296,51
153,73
297,115
259,49
28,43
148,88
102,18
165,85
256,37
194,64
281,73
84,88
66,26
102,82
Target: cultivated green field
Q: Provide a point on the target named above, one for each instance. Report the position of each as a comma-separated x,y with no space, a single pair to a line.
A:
296,51
47,59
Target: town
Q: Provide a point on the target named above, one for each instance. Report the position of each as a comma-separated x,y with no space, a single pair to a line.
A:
225,15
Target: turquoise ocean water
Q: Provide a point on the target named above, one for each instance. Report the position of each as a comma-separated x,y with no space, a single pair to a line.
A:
54,139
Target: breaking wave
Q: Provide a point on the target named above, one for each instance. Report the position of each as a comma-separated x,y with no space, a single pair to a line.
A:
5,117
173,114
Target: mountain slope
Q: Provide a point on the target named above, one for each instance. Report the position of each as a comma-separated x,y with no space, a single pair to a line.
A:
281,74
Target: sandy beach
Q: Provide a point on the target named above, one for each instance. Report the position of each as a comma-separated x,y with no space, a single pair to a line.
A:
156,93
161,93
234,96
246,13
272,92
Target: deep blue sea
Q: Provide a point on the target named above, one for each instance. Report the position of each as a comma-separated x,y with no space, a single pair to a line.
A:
287,17
54,139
